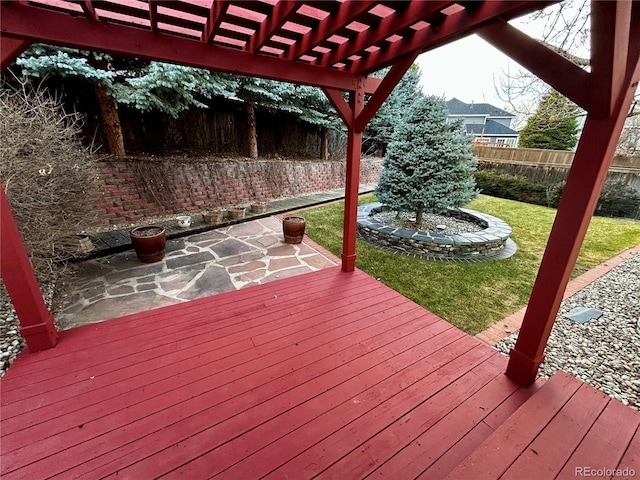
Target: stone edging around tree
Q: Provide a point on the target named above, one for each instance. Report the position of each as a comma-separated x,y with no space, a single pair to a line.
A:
491,243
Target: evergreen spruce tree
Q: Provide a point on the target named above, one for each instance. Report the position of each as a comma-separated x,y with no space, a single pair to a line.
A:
553,126
428,167
379,130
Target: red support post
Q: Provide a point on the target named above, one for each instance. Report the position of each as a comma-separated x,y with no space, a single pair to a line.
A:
352,182
586,177
584,184
36,322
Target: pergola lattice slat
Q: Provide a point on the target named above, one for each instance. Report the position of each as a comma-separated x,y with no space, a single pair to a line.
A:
61,29
364,50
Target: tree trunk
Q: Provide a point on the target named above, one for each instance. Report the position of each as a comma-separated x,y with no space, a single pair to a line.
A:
419,214
324,144
111,120
252,131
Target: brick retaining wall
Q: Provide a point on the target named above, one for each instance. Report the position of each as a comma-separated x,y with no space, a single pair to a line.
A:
135,188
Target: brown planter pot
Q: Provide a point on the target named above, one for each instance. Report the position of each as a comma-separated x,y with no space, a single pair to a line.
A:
259,207
293,229
236,213
149,242
213,217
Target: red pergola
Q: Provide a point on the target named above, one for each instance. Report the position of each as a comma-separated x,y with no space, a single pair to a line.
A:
335,45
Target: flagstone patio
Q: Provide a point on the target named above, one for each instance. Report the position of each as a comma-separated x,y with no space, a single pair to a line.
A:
195,266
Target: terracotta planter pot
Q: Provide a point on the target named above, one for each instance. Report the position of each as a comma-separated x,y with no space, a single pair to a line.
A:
293,229
149,242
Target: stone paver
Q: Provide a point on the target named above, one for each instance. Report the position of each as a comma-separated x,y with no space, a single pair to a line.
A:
207,263
282,263
213,280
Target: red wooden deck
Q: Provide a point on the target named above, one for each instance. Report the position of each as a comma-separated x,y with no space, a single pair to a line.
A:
329,373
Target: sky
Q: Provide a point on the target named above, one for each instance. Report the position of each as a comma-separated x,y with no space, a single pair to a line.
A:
467,70
470,69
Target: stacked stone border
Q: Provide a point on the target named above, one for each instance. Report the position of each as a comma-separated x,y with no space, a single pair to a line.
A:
490,243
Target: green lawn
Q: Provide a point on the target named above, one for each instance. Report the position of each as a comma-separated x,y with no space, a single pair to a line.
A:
473,296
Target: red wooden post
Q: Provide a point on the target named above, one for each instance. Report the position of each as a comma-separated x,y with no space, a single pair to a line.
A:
36,322
356,116
352,182
584,183
610,36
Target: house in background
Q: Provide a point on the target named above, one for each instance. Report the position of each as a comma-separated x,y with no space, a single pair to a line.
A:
488,124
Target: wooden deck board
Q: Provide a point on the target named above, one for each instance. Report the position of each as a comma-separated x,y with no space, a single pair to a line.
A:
335,352
211,409
95,347
631,458
606,441
178,347
566,424
433,443
496,455
546,455
328,374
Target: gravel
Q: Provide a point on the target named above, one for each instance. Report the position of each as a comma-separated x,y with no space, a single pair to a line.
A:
11,342
604,353
430,222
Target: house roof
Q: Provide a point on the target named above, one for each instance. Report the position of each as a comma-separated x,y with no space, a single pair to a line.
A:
490,128
457,107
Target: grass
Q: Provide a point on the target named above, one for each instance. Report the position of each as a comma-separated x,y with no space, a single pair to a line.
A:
473,296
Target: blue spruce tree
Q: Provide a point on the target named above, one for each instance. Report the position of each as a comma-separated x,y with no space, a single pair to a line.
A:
429,166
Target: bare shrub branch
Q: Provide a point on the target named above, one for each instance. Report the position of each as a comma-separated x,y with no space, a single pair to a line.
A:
46,173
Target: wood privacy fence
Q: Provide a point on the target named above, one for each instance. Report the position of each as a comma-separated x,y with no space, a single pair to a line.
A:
222,129
550,166
537,156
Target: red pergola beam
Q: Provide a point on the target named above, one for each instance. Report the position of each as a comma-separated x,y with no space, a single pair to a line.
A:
352,179
412,14
36,322
454,27
563,75
89,11
389,82
11,48
36,24
217,11
356,115
328,26
584,184
609,53
282,12
634,45
342,107
153,15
